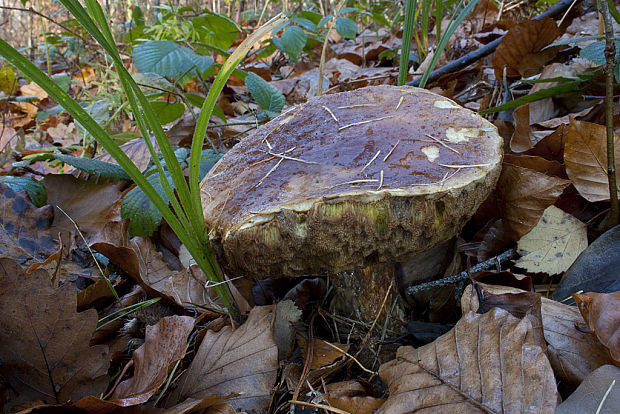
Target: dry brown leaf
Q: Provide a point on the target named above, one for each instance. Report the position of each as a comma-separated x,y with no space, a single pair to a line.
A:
140,259
243,361
324,354
352,397
551,147
553,244
486,363
601,311
44,342
86,202
24,228
585,156
523,194
32,89
520,50
164,344
573,352
136,150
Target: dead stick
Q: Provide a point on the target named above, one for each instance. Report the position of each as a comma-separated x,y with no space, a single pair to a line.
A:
610,57
473,56
460,278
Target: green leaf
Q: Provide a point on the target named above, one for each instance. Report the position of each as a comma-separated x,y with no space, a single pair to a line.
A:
292,42
536,96
208,158
346,27
8,83
266,95
137,16
314,17
168,112
345,10
34,189
217,30
167,58
99,110
595,51
93,166
144,218
305,23
151,83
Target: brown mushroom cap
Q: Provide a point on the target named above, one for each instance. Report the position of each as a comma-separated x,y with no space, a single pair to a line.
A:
350,179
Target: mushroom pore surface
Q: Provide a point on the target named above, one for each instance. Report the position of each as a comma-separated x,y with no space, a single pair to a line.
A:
350,179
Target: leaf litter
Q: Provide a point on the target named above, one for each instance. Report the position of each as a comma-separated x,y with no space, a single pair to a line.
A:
199,360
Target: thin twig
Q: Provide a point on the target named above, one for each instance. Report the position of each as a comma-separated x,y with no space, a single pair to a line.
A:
364,122
391,151
354,182
381,181
370,162
610,57
356,106
330,112
459,279
443,144
286,157
464,166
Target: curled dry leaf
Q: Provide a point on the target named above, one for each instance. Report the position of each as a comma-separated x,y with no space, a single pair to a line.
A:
554,244
164,344
243,361
44,342
585,156
520,50
352,397
140,259
86,202
486,363
601,311
573,352
523,194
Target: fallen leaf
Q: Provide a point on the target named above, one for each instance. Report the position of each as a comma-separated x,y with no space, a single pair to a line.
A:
596,269
139,258
352,397
44,342
519,49
286,314
86,202
523,195
485,363
24,228
164,344
32,89
573,352
599,393
585,155
601,311
243,361
554,244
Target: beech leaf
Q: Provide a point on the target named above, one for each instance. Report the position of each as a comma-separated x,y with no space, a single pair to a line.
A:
44,341
573,351
243,361
486,363
554,244
585,156
164,344
601,311
523,194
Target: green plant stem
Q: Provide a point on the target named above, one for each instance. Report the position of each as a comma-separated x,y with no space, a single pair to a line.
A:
405,50
610,56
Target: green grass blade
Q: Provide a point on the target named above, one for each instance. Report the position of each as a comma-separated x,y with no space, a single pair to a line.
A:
405,49
454,23
207,108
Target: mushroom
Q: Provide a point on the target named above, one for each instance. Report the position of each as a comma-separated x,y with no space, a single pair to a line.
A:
366,177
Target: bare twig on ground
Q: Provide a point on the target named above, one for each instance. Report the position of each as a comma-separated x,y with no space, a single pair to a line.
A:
460,279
